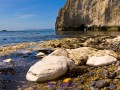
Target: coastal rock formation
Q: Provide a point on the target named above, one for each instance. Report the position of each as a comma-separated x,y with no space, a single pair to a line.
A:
79,13
49,68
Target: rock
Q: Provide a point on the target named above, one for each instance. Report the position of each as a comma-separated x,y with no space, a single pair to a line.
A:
116,39
104,53
92,88
76,14
60,52
40,55
67,80
82,81
112,87
92,83
49,68
8,61
112,75
104,73
100,61
80,55
102,83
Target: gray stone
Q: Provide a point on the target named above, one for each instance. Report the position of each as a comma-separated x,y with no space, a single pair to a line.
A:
112,87
102,83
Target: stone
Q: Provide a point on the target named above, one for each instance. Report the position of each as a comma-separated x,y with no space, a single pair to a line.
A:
92,83
49,68
100,61
112,75
80,55
8,60
60,52
104,73
92,88
77,14
102,83
112,87
104,53
40,54
67,80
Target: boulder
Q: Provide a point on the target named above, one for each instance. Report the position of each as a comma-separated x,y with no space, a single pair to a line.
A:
49,68
80,55
104,53
60,52
101,60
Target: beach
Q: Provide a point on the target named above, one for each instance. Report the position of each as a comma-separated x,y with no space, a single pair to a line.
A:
24,56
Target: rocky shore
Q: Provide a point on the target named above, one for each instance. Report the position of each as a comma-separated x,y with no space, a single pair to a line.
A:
83,75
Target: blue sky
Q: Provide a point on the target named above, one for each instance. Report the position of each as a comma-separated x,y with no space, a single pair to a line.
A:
29,14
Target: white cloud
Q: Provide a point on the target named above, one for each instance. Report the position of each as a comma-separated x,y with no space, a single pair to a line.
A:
26,16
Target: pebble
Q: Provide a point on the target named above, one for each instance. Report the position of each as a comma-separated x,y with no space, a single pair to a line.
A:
112,76
104,74
102,83
93,83
92,88
67,80
112,87
82,81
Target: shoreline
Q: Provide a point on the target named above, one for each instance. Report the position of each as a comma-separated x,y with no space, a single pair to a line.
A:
30,49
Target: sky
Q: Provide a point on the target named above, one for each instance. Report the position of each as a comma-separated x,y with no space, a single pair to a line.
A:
29,14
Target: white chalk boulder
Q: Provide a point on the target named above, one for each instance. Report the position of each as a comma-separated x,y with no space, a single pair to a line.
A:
100,60
49,68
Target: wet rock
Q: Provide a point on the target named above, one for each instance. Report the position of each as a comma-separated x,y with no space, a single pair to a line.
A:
102,83
49,68
100,61
112,87
104,73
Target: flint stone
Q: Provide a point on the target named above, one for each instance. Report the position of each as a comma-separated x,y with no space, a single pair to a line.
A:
49,68
100,61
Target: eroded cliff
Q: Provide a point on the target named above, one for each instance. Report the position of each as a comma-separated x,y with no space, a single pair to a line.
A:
77,13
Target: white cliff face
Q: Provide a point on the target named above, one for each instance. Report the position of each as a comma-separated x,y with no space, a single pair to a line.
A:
89,12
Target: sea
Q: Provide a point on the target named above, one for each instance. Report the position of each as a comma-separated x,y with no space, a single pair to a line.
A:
13,37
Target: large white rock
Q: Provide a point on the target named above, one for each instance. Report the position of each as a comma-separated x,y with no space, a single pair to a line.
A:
100,60
49,68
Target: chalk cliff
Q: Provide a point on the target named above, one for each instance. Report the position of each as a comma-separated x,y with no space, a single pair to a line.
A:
77,13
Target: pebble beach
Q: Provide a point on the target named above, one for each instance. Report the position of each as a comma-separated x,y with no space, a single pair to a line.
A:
82,77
